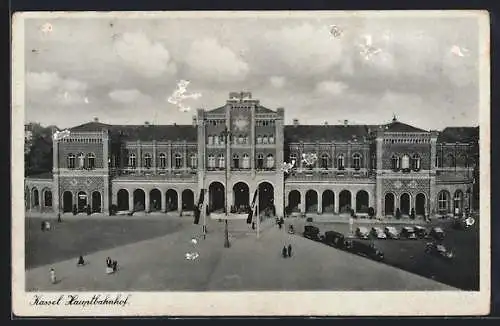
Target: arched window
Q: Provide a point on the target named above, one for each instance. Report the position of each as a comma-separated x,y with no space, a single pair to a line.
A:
415,162
91,161
210,140
178,160
450,161
356,161
245,161
270,161
271,139
81,161
395,162
405,162
260,161
71,161
293,158
131,161
193,161
222,162
163,161
264,139
324,161
236,161
340,162
147,161
259,139
211,161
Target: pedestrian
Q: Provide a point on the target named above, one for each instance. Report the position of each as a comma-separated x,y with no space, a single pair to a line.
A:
284,252
43,225
115,265
280,224
289,250
80,262
52,276
108,262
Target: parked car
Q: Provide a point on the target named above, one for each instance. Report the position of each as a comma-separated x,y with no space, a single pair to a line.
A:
463,223
362,232
378,233
408,232
421,231
335,239
365,249
311,232
437,233
391,232
438,250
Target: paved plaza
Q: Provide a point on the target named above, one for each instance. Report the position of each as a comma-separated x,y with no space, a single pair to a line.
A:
251,263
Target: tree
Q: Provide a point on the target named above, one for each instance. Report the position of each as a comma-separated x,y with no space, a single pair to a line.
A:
38,149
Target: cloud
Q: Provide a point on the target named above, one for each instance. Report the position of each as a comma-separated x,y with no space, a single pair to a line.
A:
329,87
125,95
148,58
215,62
49,85
277,81
42,81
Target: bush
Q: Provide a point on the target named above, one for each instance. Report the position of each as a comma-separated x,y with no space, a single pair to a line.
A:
75,211
371,212
398,213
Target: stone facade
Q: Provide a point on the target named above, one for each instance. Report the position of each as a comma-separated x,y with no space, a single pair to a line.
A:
240,147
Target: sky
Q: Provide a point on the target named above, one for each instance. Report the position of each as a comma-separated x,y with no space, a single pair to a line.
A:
123,70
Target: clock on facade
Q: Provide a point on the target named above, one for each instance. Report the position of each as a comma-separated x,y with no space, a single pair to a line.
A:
241,123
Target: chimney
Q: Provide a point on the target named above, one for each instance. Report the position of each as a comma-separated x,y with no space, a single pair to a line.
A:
326,123
96,119
194,121
175,124
295,122
146,123
346,122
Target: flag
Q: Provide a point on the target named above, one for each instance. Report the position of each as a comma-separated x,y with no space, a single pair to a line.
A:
252,207
199,207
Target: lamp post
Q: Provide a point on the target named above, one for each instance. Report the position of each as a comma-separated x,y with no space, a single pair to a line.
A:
227,138
57,136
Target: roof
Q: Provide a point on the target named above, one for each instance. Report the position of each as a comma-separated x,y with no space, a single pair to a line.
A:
459,134
325,133
396,126
258,109
144,132
44,175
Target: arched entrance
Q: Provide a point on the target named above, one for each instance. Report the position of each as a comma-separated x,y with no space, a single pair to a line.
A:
216,197
241,192
458,200
328,201
47,198
122,200
187,200
172,200
67,202
344,201
81,201
311,201
404,204
420,204
266,197
293,201
389,201
96,202
155,200
139,200
36,198
362,202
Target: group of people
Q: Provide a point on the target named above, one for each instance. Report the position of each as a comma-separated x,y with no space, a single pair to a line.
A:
287,251
280,221
111,266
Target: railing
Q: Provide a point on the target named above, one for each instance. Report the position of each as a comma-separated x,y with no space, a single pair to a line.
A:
323,174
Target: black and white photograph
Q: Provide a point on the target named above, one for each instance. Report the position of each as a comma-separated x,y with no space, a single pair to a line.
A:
251,163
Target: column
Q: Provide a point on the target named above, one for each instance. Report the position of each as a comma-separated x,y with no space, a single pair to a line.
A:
147,200
348,158
114,198
432,174
353,200
184,156
336,202
279,198
302,201
55,173
139,156
163,202
379,172
130,200
179,202
40,199
105,195
320,202
154,157
170,159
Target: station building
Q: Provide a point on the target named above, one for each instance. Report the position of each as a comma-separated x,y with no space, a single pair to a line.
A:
241,146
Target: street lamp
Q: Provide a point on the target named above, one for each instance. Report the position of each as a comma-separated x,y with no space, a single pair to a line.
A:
59,135
226,134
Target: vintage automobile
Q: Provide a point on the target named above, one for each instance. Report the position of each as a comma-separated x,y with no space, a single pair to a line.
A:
408,232
311,232
421,231
378,233
391,232
438,250
364,249
362,232
335,239
437,233
463,223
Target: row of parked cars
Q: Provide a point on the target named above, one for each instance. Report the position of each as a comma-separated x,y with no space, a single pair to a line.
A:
407,232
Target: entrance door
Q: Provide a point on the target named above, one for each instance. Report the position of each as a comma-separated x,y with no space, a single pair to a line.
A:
216,197
82,201
389,204
405,204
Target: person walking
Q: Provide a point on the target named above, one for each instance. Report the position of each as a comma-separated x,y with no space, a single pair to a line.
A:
53,276
108,262
284,252
80,262
289,250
